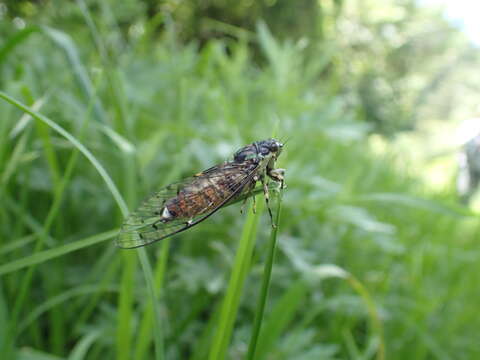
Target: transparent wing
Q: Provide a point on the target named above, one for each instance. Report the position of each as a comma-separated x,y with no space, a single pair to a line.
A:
144,227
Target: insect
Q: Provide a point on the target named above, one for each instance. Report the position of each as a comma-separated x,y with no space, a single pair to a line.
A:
179,206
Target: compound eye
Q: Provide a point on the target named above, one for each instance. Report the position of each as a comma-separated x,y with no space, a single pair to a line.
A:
274,147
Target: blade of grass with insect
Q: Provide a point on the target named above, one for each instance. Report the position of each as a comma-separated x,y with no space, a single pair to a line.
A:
229,308
267,272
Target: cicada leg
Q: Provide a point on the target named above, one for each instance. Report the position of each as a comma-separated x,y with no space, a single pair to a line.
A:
243,205
250,188
267,200
277,175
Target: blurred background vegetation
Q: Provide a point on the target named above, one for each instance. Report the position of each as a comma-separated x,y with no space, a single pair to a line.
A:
376,258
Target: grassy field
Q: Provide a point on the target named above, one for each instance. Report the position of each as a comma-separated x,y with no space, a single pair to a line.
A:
370,263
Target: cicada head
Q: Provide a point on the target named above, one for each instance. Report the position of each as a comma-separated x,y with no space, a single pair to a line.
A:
270,148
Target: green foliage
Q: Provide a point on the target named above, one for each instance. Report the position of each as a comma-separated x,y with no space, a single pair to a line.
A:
370,264
397,62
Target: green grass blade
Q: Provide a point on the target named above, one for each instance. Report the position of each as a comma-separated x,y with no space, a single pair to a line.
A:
232,297
376,327
4,316
279,318
31,354
65,42
151,310
57,335
267,272
201,347
26,219
16,244
16,40
103,275
25,120
375,322
80,350
125,306
13,163
100,169
158,334
62,298
406,200
46,255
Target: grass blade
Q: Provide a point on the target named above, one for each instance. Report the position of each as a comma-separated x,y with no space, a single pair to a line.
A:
101,170
16,40
151,310
46,255
66,43
125,306
231,301
265,282
80,350
61,298
333,271
281,315
158,334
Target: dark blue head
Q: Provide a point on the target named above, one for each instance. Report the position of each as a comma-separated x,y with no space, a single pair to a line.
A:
259,150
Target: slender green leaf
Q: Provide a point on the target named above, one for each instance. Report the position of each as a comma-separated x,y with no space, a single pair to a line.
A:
262,300
80,350
231,301
103,173
46,255
281,315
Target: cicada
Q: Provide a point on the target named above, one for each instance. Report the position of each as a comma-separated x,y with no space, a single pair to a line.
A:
179,206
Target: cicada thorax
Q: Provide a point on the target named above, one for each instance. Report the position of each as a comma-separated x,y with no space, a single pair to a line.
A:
208,189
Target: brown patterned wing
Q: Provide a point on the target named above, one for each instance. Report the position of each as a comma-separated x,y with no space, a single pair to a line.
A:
189,202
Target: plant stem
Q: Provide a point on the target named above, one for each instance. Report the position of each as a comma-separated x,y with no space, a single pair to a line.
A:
267,272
